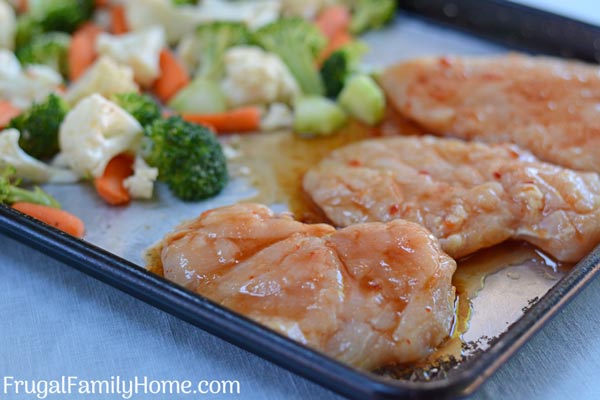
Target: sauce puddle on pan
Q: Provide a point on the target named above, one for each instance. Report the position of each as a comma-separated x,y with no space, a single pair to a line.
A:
515,275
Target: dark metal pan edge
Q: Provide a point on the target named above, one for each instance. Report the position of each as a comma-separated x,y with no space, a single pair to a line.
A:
574,39
516,25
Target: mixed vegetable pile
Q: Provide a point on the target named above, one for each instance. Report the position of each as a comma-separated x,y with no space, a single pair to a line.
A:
124,93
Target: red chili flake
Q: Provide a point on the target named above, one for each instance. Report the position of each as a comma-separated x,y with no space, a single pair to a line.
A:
394,208
423,172
354,163
497,175
444,62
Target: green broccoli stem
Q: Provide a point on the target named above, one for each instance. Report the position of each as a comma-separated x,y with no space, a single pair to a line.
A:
37,196
300,64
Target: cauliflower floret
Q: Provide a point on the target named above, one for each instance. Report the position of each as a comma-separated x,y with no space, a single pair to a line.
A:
22,87
10,67
139,50
176,20
278,116
307,9
94,132
254,13
105,77
140,185
254,76
28,167
8,24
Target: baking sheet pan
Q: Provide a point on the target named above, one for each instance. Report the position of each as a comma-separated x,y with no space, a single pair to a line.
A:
116,238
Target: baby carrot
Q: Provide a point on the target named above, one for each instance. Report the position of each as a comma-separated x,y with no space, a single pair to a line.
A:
7,112
173,76
244,119
118,20
22,6
333,19
55,217
110,185
82,51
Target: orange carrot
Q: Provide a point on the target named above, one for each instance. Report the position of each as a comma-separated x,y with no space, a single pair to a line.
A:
60,219
7,112
82,52
118,20
22,6
333,19
338,40
244,119
101,3
173,76
110,185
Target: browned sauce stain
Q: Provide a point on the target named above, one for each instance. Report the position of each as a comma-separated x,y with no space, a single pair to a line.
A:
276,162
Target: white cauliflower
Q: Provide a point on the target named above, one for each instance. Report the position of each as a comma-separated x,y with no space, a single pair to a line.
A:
94,132
181,20
254,13
10,67
8,25
139,50
254,76
278,116
105,77
22,87
140,185
176,20
27,167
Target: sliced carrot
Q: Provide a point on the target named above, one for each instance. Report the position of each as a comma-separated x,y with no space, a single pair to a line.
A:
60,219
244,119
173,76
101,3
82,52
337,41
110,185
118,20
333,19
22,6
7,112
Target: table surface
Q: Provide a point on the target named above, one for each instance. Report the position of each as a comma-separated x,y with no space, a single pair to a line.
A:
57,321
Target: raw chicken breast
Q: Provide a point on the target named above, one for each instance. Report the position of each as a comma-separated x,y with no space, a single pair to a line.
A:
368,295
548,106
470,195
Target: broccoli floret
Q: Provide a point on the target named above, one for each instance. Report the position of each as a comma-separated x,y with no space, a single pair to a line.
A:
369,14
189,158
39,127
27,28
10,192
141,106
60,15
213,39
334,72
49,49
339,65
298,43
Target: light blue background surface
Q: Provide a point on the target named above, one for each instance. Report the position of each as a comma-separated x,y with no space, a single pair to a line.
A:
56,321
